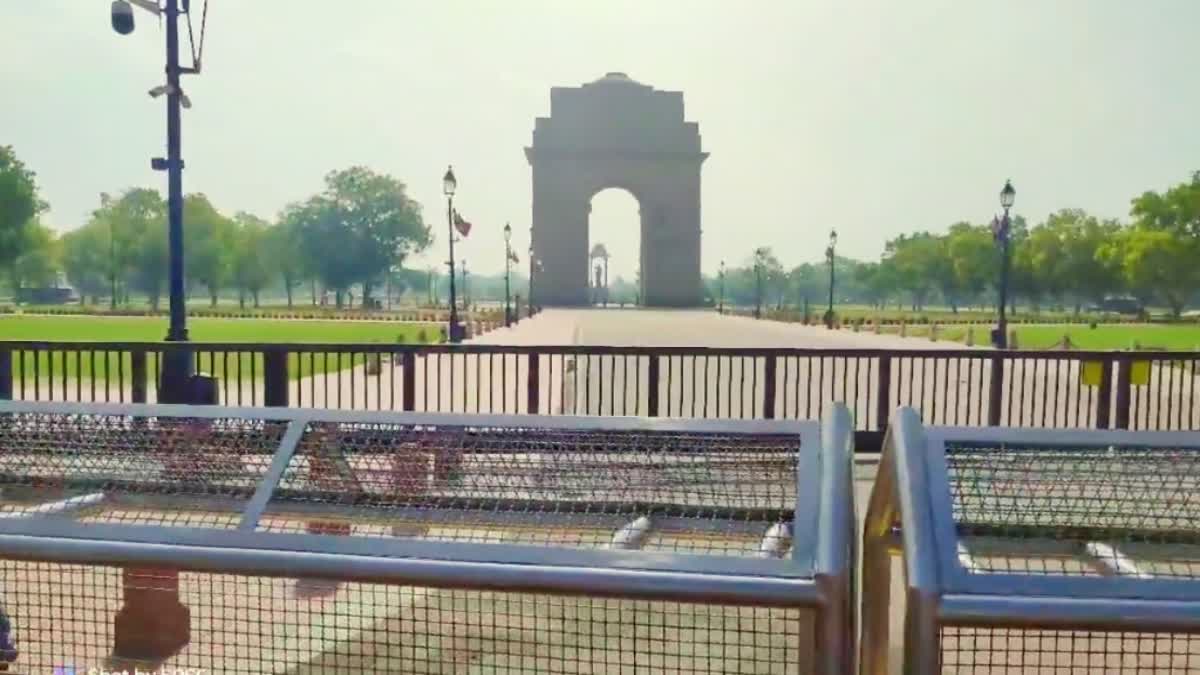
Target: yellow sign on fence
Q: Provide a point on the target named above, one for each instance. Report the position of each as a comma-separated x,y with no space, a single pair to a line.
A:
1139,373
1092,373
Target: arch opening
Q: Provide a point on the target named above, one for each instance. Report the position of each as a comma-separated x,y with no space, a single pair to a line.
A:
615,263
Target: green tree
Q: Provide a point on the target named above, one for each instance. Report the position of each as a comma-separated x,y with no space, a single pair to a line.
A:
19,204
37,264
1161,264
361,225
1177,210
252,259
809,284
920,264
974,259
284,244
209,244
85,260
138,222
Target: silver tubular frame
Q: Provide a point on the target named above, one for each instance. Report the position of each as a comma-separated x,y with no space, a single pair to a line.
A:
910,514
817,576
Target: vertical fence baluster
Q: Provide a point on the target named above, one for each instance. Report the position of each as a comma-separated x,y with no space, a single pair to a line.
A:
6,374
138,371
768,400
883,392
995,391
652,387
532,382
275,378
408,379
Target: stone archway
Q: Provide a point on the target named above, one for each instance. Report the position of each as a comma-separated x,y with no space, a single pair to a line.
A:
616,132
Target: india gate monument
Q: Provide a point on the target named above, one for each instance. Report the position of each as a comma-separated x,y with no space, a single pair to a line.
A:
616,133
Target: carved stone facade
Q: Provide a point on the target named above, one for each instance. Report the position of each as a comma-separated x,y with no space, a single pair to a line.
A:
617,133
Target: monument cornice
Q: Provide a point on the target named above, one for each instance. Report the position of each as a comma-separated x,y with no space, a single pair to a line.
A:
534,152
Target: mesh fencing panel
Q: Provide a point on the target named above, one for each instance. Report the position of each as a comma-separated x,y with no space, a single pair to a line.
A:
721,494
64,617
1003,651
107,468
1124,511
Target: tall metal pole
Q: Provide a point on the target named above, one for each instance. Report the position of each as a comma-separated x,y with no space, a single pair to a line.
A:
758,290
1002,324
112,264
721,301
177,366
466,289
507,283
831,254
606,279
454,331
531,260
1001,230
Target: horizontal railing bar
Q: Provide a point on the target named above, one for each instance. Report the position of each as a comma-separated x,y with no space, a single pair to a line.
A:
1071,613
632,350
1017,532
459,574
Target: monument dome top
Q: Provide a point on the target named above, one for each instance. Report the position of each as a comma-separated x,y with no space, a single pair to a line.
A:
615,77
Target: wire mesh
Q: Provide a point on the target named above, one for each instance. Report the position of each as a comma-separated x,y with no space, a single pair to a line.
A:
1002,651
65,617
700,492
1114,511
112,468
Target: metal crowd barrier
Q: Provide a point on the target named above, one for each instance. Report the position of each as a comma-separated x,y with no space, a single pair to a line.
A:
1033,551
302,541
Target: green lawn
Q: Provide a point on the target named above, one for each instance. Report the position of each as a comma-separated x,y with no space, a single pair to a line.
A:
1178,337
105,366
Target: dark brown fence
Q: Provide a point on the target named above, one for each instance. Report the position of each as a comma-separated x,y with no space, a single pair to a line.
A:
1142,390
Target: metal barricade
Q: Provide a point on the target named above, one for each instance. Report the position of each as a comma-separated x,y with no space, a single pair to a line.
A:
1032,551
302,541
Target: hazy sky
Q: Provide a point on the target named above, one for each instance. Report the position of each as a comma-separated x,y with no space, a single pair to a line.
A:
872,116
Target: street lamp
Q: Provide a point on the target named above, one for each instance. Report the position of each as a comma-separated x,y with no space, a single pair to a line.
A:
507,272
830,255
449,186
721,278
1001,231
178,384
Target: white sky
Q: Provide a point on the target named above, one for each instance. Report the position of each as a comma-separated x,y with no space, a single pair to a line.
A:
872,116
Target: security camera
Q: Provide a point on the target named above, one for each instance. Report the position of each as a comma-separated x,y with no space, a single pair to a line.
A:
122,17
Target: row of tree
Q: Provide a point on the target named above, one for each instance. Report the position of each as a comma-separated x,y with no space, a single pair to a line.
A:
1072,259
355,234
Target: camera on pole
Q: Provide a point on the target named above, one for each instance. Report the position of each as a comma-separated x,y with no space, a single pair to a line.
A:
122,17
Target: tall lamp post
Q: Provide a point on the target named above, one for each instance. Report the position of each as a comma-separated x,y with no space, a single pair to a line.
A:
1001,230
507,273
721,281
759,254
466,289
830,255
177,384
449,187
